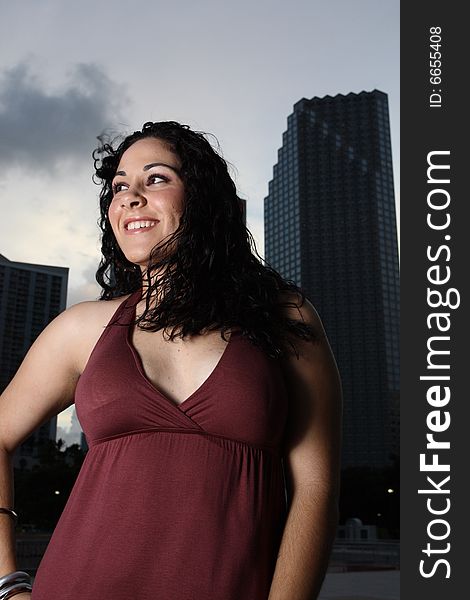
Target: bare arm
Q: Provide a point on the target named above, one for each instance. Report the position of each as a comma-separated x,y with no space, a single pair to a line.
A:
43,386
312,464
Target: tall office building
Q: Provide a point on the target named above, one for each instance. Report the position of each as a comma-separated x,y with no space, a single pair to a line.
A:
30,297
330,226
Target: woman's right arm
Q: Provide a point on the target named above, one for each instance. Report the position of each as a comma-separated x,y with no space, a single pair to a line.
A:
43,386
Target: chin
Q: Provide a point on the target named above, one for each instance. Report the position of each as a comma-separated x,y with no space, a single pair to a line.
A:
137,261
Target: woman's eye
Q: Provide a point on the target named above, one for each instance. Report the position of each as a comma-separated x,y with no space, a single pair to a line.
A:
155,178
118,187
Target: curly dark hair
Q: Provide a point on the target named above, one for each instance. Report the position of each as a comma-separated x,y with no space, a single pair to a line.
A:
211,278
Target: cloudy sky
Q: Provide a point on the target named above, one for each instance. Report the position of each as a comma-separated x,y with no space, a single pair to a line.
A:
70,70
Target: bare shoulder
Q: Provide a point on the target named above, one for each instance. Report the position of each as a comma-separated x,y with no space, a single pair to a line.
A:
303,311
92,311
84,322
314,361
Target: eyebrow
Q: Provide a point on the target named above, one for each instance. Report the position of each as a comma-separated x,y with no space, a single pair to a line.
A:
149,166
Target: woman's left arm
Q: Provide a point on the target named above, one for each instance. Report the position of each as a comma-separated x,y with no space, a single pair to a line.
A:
311,463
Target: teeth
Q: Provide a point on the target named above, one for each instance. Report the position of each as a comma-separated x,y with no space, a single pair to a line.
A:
140,224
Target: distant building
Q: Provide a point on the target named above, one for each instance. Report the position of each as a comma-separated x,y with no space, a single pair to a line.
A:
354,529
330,226
83,442
30,297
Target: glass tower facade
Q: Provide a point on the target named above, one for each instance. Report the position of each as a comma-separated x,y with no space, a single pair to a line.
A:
30,297
330,226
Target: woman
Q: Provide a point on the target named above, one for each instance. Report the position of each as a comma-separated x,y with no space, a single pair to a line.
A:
213,463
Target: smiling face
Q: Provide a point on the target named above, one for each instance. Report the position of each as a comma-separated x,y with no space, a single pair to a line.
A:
148,198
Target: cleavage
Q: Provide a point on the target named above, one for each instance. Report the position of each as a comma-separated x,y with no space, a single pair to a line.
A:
178,369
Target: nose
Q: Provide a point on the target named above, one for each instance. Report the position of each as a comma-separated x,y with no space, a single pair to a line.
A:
133,199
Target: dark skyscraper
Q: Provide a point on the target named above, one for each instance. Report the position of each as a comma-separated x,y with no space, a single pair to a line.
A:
330,226
30,297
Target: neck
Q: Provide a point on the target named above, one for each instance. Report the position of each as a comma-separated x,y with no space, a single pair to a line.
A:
151,287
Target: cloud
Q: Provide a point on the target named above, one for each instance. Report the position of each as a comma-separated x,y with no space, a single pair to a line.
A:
47,135
41,128
68,427
88,290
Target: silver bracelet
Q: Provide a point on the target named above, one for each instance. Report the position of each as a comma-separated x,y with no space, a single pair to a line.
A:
10,512
14,577
15,588
14,583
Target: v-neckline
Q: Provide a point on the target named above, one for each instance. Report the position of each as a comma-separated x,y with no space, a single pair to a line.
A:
140,367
